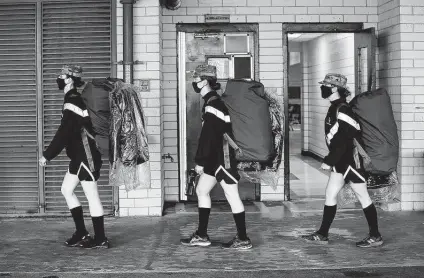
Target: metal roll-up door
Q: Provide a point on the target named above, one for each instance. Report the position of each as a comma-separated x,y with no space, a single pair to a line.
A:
19,190
74,32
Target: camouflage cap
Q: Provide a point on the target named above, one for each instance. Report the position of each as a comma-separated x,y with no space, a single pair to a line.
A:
205,70
335,79
72,70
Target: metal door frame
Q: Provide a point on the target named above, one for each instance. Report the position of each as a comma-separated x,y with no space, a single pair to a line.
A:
355,27
182,29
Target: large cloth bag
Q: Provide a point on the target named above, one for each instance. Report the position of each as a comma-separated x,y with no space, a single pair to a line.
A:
250,120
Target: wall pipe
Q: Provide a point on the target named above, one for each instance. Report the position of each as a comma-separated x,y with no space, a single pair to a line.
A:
128,23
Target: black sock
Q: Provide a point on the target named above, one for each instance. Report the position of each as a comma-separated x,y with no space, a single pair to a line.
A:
99,227
240,219
371,215
78,217
327,219
202,230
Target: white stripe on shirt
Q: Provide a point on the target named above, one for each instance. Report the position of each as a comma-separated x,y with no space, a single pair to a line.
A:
219,114
75,109
349,120
332,132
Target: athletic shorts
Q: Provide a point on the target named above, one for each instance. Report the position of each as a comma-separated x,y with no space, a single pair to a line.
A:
83,171
350,173
230,176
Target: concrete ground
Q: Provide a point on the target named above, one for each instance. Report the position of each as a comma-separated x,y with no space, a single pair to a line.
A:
149,247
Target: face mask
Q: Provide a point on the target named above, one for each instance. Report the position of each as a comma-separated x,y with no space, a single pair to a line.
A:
326,91
60,83
196,88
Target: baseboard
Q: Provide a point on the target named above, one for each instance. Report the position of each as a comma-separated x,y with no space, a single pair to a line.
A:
313,155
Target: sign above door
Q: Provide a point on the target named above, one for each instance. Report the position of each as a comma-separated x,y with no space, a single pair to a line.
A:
217,18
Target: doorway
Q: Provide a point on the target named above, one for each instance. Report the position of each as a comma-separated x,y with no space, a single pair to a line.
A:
233,50
310,52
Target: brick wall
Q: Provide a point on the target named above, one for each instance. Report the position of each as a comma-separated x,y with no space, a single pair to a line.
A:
269,14
328,53
389,60
400,55
411,77
146,49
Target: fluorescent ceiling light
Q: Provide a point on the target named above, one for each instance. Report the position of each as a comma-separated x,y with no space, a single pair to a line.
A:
293,36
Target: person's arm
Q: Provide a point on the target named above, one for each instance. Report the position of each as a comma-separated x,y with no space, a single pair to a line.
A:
61,138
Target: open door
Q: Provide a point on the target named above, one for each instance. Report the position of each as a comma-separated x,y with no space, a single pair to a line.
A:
365,44
233,53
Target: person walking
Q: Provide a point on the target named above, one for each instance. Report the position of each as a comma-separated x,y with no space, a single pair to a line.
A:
75,135
346,166
216,162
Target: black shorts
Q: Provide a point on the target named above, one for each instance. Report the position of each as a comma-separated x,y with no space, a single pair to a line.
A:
230,176
350,173
83,172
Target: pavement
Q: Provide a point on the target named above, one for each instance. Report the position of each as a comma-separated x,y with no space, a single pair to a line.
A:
149,247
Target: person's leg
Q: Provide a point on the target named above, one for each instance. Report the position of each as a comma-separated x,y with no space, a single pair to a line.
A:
204,186
374,238
89,185
334,185
69,184
241,241
237,207
95,205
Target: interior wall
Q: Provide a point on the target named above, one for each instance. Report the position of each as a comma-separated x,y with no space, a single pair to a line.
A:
330,53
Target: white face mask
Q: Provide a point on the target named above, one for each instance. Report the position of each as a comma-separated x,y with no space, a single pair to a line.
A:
69,84
68,81
335,95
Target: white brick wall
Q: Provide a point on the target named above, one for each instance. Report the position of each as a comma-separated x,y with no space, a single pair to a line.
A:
389,64
146,49
411,36
328,53
400,70
269,14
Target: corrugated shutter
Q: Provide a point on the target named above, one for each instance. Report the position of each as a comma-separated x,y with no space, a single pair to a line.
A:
74,32
18,110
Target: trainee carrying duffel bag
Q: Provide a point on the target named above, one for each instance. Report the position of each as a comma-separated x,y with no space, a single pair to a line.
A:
250,120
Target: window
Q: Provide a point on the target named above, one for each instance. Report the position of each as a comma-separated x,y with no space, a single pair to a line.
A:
236,44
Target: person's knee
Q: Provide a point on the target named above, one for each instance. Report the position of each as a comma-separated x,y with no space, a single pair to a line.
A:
231,191
331,193
361,193
330,197
200,191
67,191
92,194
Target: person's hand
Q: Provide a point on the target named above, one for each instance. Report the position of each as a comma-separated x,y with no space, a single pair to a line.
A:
42,161
325,167
199,169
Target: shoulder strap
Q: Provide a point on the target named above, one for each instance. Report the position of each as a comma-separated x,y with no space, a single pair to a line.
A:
212,98
360,149
340,106
81,89
227,137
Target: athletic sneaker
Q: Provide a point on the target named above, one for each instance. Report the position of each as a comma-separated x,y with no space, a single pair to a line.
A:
237,243
316,237
196,240
370,241
76,238
92,243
